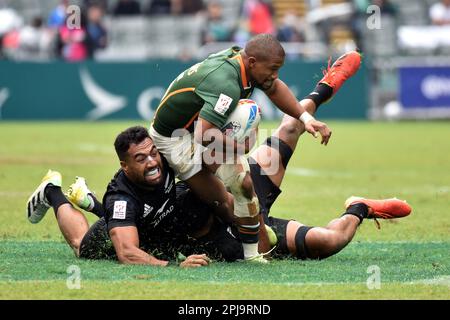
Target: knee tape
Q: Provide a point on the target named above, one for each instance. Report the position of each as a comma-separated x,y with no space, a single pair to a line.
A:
233,179
244,207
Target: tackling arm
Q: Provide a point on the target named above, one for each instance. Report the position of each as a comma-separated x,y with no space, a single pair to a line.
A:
126,244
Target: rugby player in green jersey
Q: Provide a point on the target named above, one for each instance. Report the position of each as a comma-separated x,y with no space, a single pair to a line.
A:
195,108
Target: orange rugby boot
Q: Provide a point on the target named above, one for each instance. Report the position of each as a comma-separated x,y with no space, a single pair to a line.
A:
383,209
341,70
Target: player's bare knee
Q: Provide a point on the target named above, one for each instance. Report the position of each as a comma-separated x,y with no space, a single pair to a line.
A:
291,127
75,244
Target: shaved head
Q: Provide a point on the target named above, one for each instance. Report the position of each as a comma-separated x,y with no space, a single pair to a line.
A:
264,47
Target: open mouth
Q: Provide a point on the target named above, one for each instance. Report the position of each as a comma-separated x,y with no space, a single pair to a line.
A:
152,172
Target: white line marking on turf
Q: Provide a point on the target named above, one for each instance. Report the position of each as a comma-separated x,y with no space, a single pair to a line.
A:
442,280
304,172
92,147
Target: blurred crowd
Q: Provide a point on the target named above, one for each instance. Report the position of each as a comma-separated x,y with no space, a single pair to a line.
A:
55,37
62,34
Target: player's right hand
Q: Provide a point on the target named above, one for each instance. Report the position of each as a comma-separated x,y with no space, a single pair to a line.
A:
195,260
315,126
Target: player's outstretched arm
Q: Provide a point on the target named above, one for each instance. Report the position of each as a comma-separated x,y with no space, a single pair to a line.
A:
126,244
284,99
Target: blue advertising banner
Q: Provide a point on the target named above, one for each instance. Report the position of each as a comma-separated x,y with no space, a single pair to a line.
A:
425,87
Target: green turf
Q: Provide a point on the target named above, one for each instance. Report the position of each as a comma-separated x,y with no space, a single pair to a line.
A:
410,160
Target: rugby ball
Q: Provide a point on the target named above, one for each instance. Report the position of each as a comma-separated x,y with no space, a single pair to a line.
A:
243,120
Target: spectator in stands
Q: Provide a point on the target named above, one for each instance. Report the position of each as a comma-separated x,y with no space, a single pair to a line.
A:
358,22
180,7
102,3
35,41
10,22
260,16
215,29
440,13
289,30
57,16
127,7
159,7
73,42
242,34
96,31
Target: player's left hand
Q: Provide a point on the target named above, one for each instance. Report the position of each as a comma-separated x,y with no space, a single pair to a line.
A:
315,126
195,261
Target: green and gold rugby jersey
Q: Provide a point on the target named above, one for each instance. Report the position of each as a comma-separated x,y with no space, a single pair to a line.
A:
210,89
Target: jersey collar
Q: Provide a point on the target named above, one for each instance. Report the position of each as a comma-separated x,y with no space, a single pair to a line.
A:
245,83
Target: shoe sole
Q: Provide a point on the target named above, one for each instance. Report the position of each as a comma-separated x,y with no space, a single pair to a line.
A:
37,216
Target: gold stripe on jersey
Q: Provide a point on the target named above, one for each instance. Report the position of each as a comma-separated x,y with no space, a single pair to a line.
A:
172,94
195,116
245,83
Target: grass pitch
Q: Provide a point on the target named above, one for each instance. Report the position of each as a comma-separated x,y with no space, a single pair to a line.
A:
409,160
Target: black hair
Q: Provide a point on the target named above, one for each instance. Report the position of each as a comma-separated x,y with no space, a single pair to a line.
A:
131,135
264,46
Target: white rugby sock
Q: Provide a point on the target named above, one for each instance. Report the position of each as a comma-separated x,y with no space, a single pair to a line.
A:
250,249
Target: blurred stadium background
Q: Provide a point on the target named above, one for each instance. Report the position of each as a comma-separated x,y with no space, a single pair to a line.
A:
119,61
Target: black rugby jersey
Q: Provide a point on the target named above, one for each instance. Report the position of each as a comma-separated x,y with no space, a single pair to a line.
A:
152,212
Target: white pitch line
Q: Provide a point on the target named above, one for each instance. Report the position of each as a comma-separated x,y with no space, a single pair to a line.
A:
91,147
305,172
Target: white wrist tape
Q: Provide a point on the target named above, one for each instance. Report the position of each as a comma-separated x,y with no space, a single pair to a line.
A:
305,117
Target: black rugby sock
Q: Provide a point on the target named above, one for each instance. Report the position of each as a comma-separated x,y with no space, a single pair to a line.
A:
361,210
55,197
321,93
98,207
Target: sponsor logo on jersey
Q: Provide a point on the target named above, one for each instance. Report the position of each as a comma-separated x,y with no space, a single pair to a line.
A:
147,210
168,184
161,214
120,210
223,104
231,232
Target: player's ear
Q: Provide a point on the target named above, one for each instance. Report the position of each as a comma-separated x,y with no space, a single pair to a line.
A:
251,61
124,166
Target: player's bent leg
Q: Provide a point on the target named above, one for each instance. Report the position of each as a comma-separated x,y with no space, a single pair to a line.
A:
304,242
290,237
73,225
325,242
273,156
237,179
72,222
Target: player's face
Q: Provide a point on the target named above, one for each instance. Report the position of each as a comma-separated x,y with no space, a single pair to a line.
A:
143,165
264,73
